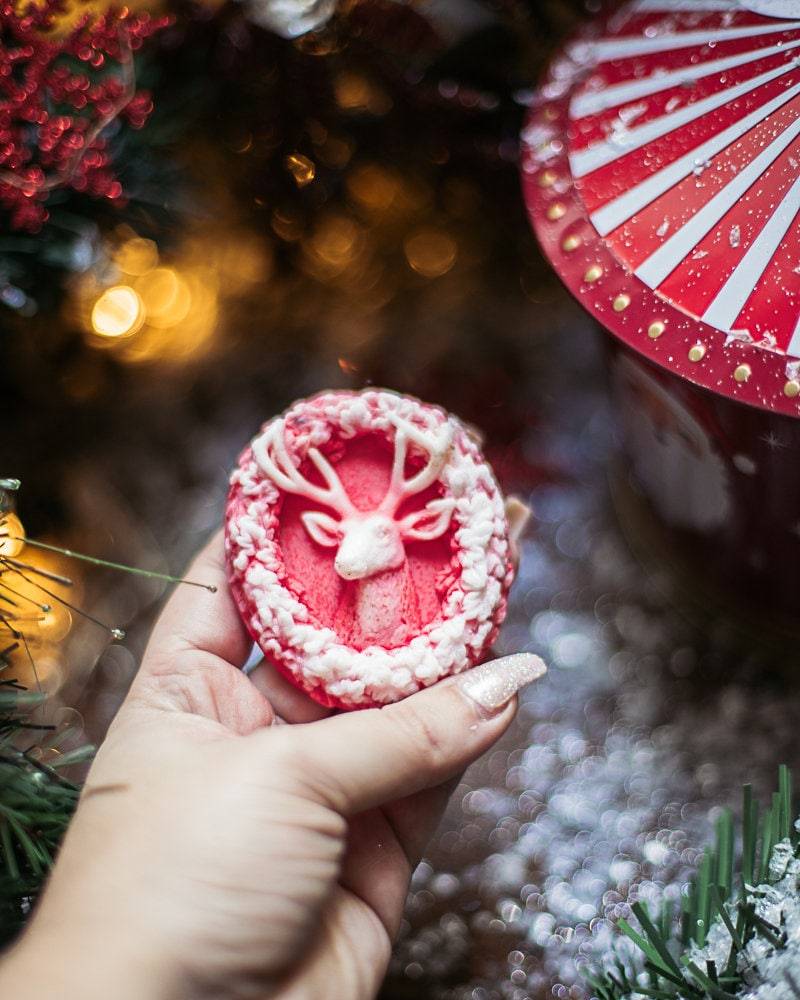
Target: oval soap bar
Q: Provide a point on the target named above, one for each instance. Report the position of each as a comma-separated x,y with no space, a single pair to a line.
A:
367,545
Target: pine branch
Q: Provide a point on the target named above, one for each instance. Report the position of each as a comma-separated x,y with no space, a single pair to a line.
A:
722,896
36,804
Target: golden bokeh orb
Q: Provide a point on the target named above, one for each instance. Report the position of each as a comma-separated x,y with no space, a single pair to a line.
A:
12,536
137,256
301,168
431,252
165,296
53,624
118,312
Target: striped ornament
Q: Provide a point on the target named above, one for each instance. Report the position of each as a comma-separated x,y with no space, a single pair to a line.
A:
683,141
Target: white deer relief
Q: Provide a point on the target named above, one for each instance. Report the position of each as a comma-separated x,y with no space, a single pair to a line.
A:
368,542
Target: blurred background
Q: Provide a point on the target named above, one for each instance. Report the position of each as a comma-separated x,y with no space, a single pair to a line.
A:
338,210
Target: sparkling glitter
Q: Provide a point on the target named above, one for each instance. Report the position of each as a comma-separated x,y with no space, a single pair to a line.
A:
599,794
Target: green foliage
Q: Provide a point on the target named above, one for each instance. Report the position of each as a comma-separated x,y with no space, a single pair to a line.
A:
36,802
716,892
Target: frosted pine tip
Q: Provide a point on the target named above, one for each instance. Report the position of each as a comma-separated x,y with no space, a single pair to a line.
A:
10,484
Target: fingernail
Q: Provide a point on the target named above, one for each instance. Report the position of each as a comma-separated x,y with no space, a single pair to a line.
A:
494,684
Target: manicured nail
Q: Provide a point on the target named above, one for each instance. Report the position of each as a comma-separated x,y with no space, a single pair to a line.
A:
494,684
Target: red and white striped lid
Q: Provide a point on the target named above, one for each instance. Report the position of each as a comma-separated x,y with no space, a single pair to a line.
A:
661,170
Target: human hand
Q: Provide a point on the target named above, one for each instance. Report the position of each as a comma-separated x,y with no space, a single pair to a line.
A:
217,853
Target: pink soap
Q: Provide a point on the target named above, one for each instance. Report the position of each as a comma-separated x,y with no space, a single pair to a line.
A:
368,548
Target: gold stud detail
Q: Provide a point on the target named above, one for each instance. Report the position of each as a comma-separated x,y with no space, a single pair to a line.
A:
621,303
571,242
742,373
792,388
593,273
656,328
697,352
550,113
556,211
547,179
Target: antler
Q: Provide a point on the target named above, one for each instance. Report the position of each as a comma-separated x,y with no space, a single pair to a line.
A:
270,452
436,445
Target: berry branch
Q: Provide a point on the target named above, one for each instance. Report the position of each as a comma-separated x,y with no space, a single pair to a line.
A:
59,93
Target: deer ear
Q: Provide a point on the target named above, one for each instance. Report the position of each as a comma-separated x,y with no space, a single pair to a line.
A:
429,523
322,528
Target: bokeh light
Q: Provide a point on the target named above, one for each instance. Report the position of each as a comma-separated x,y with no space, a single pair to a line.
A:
373,187
118,312
137,256
54,624
166,307
336,243
431,252
12,535
355,93
166,297
33,618
301,168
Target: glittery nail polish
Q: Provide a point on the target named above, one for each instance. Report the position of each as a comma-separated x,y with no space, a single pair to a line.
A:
494,684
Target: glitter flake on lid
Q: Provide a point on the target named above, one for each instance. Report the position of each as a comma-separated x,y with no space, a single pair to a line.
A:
368,546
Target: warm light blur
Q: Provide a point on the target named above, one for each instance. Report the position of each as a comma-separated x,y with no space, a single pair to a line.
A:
301,168
286,225
170,339
166,297
10,531
52,625
48,673
51,562
355,92
168,307
430,252
336,151
373,187
36,661
136,256
118,312
337,243
45,673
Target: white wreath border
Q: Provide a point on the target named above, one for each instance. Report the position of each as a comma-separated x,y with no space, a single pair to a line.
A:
286,630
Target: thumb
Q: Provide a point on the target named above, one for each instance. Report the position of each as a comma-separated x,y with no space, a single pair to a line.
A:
362,759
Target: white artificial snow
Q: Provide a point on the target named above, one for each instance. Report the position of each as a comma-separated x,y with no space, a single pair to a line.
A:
769,973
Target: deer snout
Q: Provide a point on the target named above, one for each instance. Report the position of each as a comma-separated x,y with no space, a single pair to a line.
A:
368,546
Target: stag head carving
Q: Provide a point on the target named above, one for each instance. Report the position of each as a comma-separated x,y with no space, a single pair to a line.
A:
367,542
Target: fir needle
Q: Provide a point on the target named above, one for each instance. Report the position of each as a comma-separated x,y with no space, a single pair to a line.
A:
31,661
5,623
48,574
24,597
113,565
117,633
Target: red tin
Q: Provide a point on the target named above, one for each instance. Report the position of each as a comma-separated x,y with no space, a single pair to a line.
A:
661,172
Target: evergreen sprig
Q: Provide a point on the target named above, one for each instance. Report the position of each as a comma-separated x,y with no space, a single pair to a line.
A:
36,800
669,946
